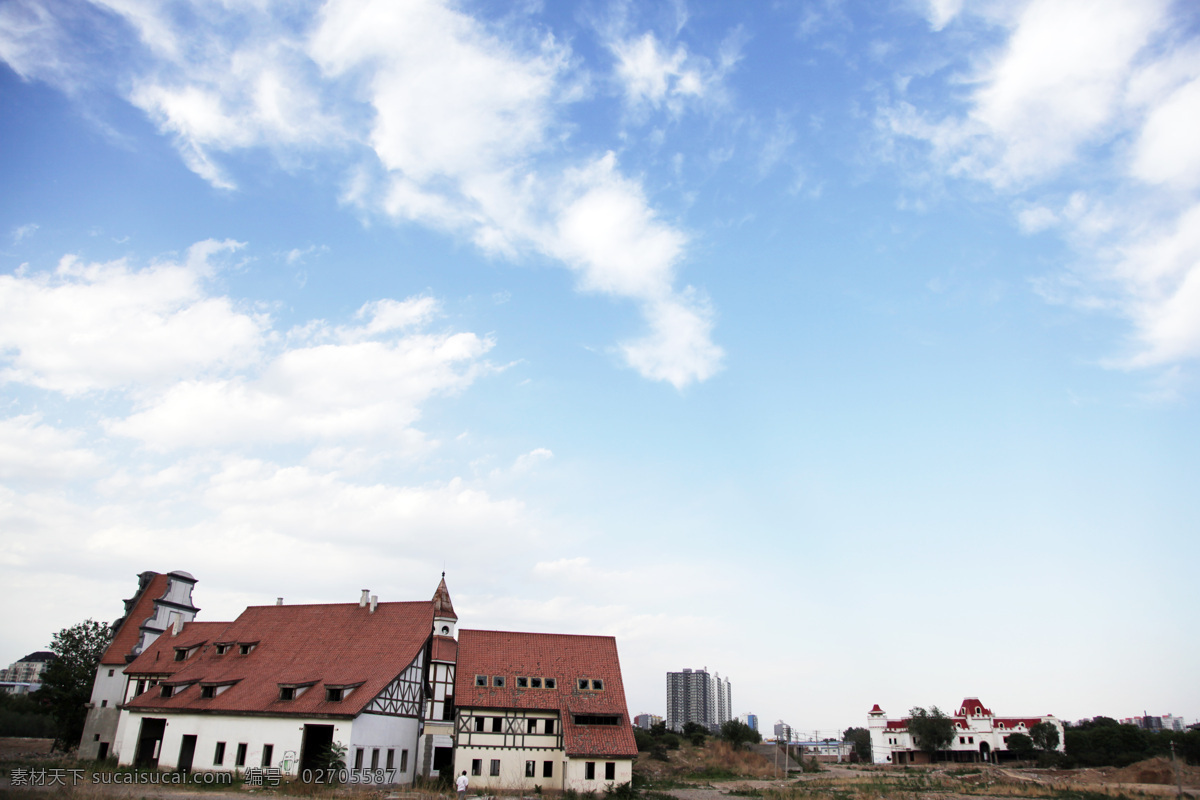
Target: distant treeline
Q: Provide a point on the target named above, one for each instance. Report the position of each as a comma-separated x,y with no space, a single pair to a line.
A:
24,715
1104,742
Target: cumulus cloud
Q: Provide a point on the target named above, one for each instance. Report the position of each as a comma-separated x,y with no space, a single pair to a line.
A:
88,326
33,451
446,122
1102,98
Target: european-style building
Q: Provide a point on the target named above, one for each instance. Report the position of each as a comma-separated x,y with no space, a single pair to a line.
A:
979,735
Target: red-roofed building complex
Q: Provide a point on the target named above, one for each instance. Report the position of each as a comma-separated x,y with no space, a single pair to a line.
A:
388,681
160,601
979,735
538,709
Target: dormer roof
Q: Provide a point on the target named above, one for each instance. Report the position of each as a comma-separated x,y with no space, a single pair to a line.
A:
442,607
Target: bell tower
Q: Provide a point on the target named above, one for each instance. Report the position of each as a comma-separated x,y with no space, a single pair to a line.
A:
445,621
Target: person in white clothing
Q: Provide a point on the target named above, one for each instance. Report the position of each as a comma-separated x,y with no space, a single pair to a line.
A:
461,783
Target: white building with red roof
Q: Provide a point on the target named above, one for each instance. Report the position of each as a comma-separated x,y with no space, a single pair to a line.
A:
278,685
437,742
980,735
541,709
160,600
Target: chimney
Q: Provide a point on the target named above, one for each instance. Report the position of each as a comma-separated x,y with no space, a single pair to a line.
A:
176,623
374,602
278,601
362,601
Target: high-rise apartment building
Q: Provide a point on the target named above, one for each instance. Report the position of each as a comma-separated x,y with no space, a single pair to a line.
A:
696,696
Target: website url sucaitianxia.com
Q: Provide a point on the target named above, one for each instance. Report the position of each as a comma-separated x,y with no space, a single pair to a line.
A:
76,777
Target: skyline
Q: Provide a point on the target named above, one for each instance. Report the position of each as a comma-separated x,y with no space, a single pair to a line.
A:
850,346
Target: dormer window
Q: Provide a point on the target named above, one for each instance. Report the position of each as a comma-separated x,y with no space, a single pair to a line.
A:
207,692
333,695
244,648
180,653
222,648
287,693
166,691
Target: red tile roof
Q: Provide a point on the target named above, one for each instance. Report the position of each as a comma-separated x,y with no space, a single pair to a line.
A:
563,657
130,630
971,706
323,645
445,648
159,658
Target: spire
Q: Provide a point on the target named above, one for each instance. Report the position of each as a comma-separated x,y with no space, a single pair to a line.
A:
442,607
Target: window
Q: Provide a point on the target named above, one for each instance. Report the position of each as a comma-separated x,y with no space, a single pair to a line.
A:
244,649
476,766
551,683
530,769
239,760
495,772
522,683
583,684
610,770
287,693
180,653
962,740
404,761
333,695
219,754
549,726
535,683
532,728
597,685
104,704
498,681
95,737
268,751
358,758
165,691
208,691
391,758
221,649
481,680
479,724
111,672
589,770
547,769
375,758
597,719
970,740
497,722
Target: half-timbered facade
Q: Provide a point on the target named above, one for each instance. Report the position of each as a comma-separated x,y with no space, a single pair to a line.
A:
280,684
541,710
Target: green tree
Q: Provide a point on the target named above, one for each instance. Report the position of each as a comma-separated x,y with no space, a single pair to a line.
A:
67,680
1044,736
738,733
861,739
931,730
1020,745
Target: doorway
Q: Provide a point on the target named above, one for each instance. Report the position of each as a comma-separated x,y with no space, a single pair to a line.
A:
187,751
314,747
149,741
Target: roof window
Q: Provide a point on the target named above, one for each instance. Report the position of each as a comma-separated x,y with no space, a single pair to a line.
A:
551,683
522,683
597,719
481,680
535,683
498,681
244,648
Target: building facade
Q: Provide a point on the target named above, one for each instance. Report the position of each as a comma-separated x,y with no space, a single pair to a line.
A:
541,710
646,721
25,676
159,602
980,735
696,696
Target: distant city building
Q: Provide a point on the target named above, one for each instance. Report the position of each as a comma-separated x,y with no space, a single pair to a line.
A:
25,676
696,696
783,732
828,751
750,720
980,735
1166,722
646,721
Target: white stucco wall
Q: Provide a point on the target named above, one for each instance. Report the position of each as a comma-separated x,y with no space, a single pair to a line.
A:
104,713
577,773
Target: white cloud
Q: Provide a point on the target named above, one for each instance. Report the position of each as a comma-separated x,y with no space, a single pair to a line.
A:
32,451
527,461
1102,99
93,326
679,348
23,232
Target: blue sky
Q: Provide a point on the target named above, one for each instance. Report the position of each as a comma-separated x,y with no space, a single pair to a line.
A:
848,349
